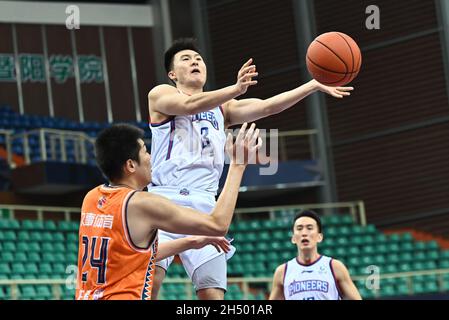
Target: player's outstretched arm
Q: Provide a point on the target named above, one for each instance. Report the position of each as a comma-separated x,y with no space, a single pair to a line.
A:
166,99
347,287
157,212
245,110
170,248
277,290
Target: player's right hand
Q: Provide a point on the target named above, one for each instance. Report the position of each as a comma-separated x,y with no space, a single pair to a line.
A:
245,75
244,150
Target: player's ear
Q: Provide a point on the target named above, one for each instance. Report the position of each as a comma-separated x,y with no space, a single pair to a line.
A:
172,75
293,239
130,166
320,237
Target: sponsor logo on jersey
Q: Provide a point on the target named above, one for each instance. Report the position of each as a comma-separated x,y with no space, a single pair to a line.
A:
184,192
307,271
101,202
322,270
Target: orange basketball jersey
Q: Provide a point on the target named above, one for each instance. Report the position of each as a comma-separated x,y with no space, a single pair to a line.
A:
110,266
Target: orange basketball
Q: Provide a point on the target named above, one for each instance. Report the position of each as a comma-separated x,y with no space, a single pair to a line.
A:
334,59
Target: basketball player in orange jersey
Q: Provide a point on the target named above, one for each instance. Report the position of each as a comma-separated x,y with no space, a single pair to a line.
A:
311,276
189,176
118,242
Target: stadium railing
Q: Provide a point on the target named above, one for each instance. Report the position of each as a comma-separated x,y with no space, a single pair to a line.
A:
39,210
53,139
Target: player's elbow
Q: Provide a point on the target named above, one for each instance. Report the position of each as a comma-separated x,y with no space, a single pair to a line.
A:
222,232
218,229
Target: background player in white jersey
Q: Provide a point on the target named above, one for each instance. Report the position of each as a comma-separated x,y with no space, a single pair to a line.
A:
311,276
188,139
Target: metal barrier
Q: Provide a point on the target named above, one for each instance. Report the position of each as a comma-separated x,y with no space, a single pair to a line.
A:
55,284
40,210
54,139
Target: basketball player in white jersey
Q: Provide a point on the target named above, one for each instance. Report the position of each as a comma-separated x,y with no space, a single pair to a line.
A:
188,140
311,276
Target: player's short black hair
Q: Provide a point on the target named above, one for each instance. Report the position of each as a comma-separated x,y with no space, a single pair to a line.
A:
310,214
179,45
114,146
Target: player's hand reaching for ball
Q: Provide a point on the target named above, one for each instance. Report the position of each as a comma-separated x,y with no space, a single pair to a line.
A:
337,92
244,150
245,75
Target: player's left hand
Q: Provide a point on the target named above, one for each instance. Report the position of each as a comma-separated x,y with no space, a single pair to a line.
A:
337,92
244,150
220,243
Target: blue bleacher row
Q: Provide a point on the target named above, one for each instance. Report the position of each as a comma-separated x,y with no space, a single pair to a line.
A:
11,120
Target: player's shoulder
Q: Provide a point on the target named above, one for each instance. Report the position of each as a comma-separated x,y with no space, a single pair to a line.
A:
140,197
92,193
281,269
338,266
145,199
161,89
336,262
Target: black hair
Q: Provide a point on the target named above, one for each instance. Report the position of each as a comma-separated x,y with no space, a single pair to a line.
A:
310,214
114,146
179,45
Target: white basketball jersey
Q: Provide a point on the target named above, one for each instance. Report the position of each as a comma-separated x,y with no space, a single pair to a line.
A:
188,151
310,282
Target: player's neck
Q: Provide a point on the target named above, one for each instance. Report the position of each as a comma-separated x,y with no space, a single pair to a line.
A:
308,257
126,183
